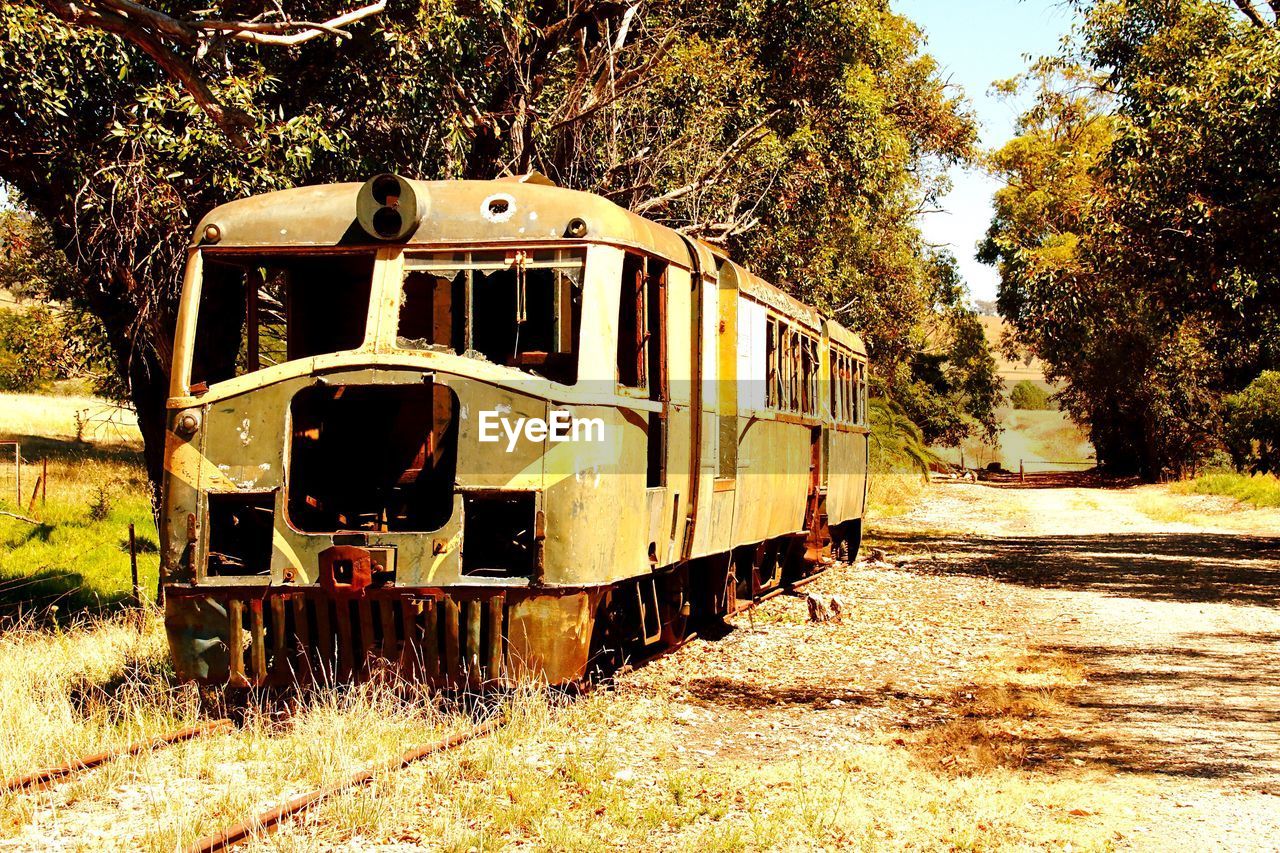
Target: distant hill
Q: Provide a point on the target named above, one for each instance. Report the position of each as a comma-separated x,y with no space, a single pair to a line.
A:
1011,372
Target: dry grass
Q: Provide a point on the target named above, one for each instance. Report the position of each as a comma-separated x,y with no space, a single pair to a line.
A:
55,416
891,493
614,770
1184,503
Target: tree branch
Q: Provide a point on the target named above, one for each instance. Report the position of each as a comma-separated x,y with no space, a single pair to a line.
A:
156,34
748,138
1251,12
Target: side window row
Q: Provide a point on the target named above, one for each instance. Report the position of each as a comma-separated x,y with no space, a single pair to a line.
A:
791,368
848,388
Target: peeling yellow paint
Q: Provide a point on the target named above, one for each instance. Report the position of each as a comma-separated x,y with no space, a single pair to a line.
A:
188,465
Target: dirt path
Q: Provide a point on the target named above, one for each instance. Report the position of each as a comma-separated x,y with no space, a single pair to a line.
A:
1175,623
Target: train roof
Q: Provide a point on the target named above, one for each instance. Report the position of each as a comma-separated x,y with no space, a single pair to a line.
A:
462,211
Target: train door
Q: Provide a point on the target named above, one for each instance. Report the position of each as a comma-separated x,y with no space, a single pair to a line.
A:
644,348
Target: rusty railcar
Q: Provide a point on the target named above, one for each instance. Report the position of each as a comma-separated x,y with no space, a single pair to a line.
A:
686,436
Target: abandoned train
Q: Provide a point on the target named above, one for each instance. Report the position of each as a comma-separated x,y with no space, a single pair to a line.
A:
472,429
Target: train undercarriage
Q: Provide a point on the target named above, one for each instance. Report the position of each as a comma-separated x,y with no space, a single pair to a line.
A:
350,628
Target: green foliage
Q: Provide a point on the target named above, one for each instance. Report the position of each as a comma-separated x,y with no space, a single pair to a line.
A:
946,381
1260,490
803,135
33,351
1133,236
1253,424
38,346
1029,396
77,558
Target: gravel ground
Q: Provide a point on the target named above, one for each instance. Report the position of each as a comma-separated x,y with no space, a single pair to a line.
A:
1175,623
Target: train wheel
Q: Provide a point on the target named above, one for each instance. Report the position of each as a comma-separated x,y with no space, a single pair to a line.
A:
840,543
675,607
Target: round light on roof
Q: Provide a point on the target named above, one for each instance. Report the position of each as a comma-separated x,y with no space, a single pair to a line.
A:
577,228
212,233
387,207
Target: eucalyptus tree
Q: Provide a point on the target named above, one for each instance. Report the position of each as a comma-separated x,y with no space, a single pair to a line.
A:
1136,233
804,135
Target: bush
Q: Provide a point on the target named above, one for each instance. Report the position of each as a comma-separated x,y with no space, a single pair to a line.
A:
1028,395
33,349
897,444
1252,424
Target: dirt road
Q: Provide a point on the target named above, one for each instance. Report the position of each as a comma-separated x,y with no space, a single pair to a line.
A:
1175,623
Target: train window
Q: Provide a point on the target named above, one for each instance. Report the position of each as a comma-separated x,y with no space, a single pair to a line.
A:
260,311
427,316
861,393
525,308
837,387
771,381
809,375
632,328
843,388
372,457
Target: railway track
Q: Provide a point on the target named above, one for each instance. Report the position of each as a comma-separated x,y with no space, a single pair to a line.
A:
49,775
268,821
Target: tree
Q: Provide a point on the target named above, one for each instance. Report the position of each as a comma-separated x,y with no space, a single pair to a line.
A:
1133,233
1253,424
1028,396
804,136
176,44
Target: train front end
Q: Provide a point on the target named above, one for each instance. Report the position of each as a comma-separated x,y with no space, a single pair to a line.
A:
383,433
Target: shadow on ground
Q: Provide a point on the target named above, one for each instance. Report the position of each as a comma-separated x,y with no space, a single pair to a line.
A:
41,447
1193,567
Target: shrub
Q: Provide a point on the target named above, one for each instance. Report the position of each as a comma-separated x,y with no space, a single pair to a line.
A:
1252,424
1028,395
32,349
896,442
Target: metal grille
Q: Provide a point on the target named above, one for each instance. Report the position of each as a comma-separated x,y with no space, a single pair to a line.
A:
306,637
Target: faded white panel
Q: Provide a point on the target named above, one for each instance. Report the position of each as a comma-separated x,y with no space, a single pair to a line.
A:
710,348
751,354
598,338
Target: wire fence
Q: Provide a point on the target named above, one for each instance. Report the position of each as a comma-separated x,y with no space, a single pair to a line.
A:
22,481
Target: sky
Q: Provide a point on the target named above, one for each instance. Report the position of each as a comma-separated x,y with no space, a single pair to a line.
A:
975,43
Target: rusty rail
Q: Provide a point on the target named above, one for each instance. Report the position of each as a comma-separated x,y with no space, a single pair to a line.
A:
43,777
268,820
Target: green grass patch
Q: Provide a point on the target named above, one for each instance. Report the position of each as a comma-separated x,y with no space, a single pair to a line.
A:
1261,490
76,558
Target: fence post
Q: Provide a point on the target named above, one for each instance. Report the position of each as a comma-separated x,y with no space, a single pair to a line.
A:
17,475
1022,472
133,566
44,481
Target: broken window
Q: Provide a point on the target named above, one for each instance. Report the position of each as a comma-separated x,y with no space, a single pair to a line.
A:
659,390
372,457
520,308
772,381
240,533
837,385
259,311
632,328
861,393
